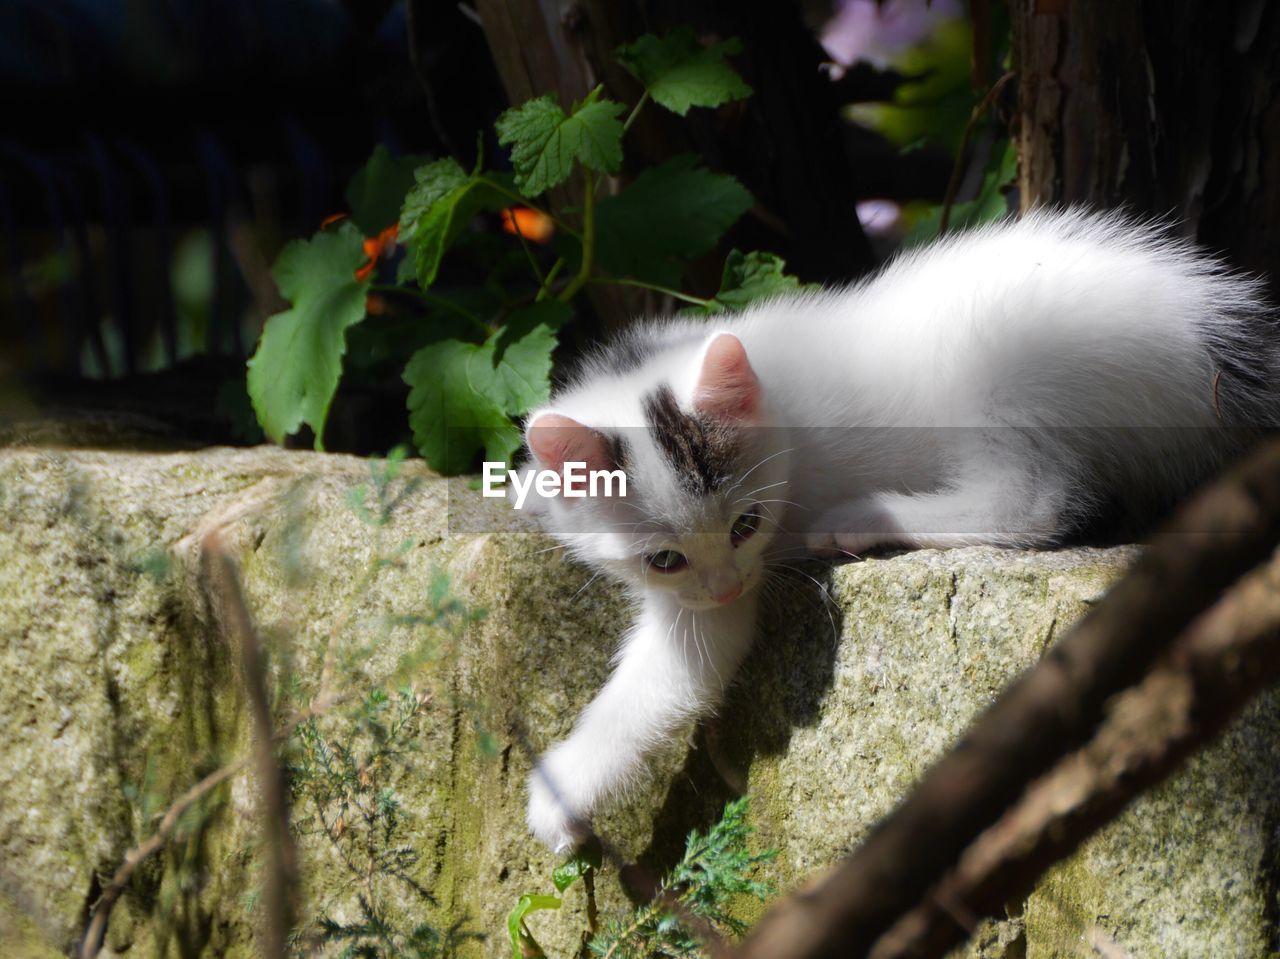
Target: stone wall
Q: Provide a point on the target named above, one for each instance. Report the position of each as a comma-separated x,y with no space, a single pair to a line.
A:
118,691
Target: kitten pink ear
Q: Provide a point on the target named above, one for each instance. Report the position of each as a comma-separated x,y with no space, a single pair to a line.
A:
727,386
555,440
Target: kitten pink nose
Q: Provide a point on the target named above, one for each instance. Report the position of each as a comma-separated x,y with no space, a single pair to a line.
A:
729,595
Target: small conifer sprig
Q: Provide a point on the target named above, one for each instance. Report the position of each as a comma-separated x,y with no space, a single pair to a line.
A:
716,867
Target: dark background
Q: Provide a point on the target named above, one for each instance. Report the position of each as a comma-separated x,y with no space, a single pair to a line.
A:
156,154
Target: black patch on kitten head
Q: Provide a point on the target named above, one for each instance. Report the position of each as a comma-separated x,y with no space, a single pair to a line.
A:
701,451
628,352
631,349
619,454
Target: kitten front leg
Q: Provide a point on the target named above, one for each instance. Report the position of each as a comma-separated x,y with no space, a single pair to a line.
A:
673,667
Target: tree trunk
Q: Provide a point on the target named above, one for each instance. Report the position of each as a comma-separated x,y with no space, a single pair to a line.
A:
1169,108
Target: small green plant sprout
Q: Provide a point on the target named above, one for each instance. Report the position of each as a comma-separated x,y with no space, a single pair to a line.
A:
477,357
716,868
344,787
349,765
581,865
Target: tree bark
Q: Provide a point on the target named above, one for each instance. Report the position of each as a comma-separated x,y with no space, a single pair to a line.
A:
1169,108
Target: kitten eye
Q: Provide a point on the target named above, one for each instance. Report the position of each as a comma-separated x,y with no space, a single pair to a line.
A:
667,561
744,526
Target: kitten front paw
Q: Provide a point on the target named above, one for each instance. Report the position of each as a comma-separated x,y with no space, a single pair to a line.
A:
550,819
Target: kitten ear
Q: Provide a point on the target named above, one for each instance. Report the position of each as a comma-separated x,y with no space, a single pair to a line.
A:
555,440
727,386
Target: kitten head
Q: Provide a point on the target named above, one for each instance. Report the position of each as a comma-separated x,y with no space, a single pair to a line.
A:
705,478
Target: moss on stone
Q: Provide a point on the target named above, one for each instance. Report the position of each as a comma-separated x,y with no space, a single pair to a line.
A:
114,677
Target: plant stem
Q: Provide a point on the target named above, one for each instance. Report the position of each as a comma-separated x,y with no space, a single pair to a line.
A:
545,291
588,238
524,245
979,111
675,294
631,118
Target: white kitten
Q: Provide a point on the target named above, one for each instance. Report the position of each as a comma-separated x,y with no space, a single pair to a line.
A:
1000,387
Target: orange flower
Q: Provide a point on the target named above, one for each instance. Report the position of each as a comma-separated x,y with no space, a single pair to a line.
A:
530,224
375,247
331,219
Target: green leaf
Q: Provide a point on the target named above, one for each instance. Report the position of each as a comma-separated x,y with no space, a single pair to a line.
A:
377,192
519,378
545,142
462,395
441,204
675,210
295,371
750,277
989,205
551,314
450,417
680,73
567,873
515,922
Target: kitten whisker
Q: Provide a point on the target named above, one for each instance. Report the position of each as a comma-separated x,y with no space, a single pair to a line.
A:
539,552
828,599
710,658
597,575
742,479
746,497
785,501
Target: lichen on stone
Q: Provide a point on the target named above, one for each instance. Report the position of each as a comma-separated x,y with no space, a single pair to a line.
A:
120,690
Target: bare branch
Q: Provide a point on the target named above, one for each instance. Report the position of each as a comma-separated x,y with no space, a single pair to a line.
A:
91,942
1050,710
1211,673
280,892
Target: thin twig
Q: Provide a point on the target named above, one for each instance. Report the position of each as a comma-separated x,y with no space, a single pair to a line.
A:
91,942
588,238
953,185
280,893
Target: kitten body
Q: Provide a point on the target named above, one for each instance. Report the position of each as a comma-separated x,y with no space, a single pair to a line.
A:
1000,387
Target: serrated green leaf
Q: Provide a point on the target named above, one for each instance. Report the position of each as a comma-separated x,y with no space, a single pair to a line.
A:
295,370
462,395
377,191
545,142
518,377
680,73
515,920
450,418
442,202
675,210
753,276
750,277
550,314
